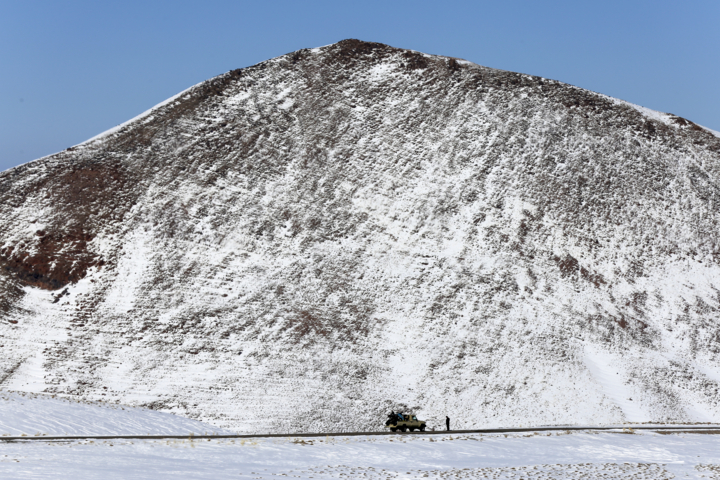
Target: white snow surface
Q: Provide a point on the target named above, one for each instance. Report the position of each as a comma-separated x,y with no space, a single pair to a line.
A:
310,242
32,414
614,456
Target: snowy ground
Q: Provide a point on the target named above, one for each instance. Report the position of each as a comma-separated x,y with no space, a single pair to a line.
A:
32,414
561,455
527,456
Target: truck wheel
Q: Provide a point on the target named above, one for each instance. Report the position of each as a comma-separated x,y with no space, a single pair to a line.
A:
412,429
422,428
403,429
393,429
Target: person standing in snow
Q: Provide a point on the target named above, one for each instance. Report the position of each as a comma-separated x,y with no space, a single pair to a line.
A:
447,422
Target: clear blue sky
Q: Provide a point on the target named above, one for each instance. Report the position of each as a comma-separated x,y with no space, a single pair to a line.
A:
71,69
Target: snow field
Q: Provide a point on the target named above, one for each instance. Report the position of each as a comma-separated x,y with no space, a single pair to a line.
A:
608,455
32,414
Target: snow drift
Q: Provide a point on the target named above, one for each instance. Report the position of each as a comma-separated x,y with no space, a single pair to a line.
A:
41,415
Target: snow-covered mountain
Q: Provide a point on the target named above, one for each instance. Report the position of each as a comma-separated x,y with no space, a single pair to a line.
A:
311,241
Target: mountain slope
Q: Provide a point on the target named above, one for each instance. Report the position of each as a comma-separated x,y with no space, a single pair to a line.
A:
308,242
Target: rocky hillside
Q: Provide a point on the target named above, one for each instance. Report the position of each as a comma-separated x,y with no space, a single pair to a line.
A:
308,242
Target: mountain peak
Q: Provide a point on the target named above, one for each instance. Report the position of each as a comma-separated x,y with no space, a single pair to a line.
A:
346,230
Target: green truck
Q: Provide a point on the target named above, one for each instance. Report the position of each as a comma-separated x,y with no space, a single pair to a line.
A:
404,422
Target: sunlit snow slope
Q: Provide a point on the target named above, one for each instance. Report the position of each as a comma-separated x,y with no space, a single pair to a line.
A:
33,414
304,244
